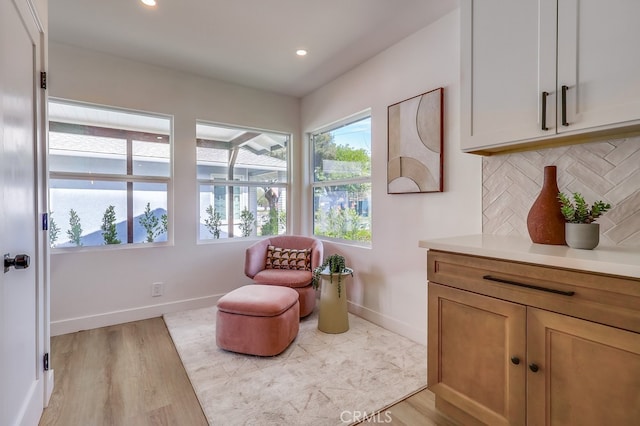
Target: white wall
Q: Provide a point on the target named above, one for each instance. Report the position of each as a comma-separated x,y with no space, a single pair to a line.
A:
96,288
389,286
92,288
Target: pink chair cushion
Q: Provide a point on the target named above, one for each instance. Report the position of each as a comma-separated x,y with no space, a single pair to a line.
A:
258,300
283,277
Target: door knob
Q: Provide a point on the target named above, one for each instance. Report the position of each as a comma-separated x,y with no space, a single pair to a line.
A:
515,360
20,261
534,367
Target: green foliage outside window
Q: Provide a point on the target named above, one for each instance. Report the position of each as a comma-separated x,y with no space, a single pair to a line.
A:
213,221
109,231
54,231
342,223
75,231
270,227
274,223
325,148
342,186
153,226
247,221
271,224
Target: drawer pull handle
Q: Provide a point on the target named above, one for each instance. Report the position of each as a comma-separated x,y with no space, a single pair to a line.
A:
534,367
534,287
515,360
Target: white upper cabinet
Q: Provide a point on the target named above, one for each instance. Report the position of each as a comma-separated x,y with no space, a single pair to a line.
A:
534,70
599,62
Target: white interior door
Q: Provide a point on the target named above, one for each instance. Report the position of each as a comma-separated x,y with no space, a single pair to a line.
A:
21,307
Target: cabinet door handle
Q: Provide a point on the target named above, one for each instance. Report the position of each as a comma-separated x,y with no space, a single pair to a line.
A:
534,367
544,110
564,105
534,287
515,360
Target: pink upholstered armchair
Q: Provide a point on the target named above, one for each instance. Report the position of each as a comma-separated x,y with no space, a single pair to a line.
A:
255,267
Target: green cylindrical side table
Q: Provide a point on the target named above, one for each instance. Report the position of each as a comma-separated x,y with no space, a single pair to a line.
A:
333,316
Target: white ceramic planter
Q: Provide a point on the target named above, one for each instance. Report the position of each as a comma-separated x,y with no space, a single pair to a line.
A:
582,235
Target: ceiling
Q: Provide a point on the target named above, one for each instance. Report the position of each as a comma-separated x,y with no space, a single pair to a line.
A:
246,42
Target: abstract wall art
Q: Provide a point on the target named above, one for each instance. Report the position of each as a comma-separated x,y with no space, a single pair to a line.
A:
415,138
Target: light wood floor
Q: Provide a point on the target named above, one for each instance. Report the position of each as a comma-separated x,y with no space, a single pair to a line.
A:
131,374
127,374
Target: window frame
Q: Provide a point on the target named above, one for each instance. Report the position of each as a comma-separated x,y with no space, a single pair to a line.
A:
200,142
129,178
354,118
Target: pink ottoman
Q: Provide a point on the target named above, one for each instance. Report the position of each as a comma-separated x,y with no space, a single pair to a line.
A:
258,319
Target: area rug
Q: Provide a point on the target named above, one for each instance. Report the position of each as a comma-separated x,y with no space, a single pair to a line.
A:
321,379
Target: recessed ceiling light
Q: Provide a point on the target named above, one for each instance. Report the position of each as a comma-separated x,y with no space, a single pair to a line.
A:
149,2
301,52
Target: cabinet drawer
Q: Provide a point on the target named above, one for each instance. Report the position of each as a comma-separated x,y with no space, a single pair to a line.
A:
607,299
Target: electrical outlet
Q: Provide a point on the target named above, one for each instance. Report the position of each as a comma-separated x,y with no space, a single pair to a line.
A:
157,289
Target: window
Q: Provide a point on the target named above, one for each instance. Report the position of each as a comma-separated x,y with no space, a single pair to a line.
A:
342,180
242,180
110,174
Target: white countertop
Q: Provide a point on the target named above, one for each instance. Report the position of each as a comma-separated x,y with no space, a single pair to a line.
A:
614,260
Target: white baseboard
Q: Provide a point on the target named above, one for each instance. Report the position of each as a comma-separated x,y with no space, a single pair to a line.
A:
31,409
418,335
48,386
72,325
89,322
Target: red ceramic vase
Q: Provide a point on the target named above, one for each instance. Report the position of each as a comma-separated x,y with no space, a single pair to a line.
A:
545,222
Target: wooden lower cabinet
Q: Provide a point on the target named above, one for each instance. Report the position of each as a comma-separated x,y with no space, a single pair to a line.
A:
471,340
588,373
492,361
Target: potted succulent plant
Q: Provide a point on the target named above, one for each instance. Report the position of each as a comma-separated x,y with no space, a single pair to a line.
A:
333,265
581,231
333,313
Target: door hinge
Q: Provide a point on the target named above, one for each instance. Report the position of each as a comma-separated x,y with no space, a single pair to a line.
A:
45,361
43,80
